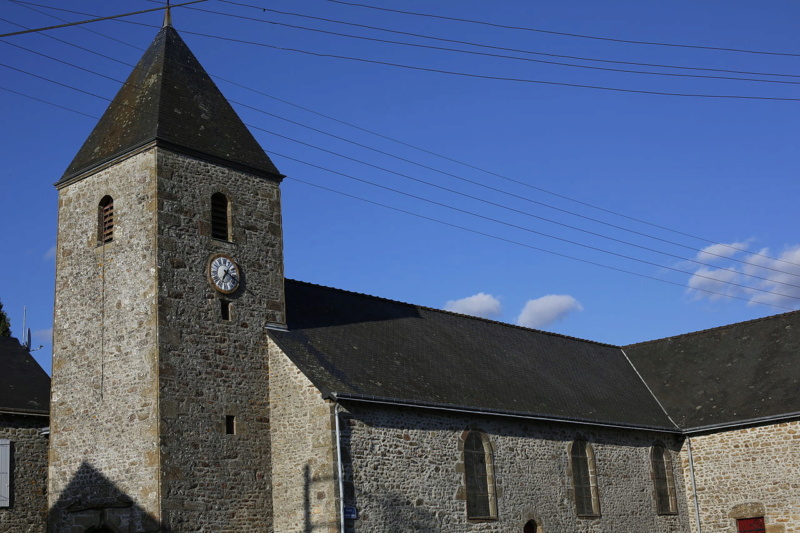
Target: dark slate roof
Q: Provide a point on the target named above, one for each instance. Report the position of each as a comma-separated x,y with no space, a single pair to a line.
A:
350,344
24,386
728,375
171,99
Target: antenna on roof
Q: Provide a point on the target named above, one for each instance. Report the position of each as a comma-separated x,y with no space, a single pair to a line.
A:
167,16
26,332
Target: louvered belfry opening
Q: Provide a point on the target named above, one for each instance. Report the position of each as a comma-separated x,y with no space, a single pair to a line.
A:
219,217
105,223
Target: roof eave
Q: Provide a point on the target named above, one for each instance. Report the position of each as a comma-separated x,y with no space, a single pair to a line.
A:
76,176
338,397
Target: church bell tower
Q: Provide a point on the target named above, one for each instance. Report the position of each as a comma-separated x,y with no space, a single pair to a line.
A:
169,271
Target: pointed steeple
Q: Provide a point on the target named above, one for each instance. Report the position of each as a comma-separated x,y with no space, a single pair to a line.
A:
170,100
167,16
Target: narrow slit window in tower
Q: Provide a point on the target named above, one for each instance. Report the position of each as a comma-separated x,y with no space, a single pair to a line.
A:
105,220
220,223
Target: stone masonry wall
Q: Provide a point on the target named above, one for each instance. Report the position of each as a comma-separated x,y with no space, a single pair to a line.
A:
303,452
28,510
747,473
211,368
104,415
404,472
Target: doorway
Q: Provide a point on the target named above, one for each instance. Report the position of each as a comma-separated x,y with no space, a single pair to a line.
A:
530,527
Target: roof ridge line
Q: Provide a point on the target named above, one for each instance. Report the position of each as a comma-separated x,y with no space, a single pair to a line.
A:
716,328
433,309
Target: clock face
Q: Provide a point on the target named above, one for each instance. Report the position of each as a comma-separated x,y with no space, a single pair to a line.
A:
223,273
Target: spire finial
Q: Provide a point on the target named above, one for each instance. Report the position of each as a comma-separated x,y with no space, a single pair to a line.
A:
167,16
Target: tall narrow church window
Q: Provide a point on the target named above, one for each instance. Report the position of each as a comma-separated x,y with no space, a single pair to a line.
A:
479,477
584,479
663,481
5,473
105,220
220,221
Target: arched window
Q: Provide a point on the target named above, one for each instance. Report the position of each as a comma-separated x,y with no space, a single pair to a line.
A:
584,479
479,477
663,480
220,220
105,220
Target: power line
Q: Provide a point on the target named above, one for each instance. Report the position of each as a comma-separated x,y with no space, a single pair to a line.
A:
525,213
525,198
94,20
498,175
500,221
485,76
479,184
515,226
48,102
510,241
486,54
522,51
593,37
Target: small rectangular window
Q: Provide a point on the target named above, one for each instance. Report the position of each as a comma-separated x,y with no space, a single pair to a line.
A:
220,224
225,309
230,425
5,473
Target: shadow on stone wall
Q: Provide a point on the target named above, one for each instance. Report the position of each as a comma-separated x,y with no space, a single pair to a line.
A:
91,503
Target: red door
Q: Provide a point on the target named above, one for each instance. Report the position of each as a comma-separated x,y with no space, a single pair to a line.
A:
751,525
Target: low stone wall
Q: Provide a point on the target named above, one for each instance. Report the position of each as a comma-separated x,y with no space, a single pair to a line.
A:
28,510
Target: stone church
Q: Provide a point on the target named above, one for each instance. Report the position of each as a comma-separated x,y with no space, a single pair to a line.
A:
195,389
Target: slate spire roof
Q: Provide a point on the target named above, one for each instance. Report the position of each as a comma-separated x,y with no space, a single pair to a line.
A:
171,100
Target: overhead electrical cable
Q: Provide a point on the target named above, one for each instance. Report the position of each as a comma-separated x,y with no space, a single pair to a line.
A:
531,215
506,49
485,76
485,186
523,228
565,34
499,56
517,243
524,198
48,102
111,17
623,256
523,183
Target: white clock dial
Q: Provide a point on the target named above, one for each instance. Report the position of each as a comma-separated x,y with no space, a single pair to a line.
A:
223,273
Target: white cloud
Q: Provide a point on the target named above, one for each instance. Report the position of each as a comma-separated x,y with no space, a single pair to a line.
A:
764,278
481,304
50,253
722,251
546,310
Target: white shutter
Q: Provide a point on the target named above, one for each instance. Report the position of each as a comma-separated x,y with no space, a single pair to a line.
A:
5,473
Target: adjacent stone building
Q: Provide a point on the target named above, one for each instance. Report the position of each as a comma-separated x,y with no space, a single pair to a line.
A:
195,389
24,399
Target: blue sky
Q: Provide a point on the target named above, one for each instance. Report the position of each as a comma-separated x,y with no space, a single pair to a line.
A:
688,173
